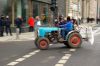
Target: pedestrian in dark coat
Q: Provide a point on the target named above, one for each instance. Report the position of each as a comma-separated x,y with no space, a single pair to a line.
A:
8,25
18,23
2,22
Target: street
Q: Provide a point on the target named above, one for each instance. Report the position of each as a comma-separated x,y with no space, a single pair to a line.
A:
24,53
25,24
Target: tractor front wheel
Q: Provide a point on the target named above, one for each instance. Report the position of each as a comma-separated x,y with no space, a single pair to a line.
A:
43,43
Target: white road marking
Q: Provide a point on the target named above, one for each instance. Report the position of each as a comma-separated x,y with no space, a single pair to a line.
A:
50,44
72,50
27,56
20,59
59,65
37,51
65,57
62,61
12,63
32,53
23,58
68,55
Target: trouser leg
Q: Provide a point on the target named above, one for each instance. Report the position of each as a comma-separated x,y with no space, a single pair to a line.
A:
20,29
6,30
2,31
10,30
63,34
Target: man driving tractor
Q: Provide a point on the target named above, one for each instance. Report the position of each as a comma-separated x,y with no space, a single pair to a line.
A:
67,27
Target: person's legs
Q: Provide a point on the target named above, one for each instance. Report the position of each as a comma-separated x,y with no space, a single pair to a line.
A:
2,31
9,28
6,30
66,32
29,28
63,33
19,30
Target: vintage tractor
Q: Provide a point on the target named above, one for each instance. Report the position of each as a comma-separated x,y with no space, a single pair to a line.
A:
48,35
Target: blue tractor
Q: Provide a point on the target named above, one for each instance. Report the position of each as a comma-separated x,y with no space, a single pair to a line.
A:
51,35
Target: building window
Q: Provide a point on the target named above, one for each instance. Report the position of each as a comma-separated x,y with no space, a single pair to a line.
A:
74,8
41,9
35,9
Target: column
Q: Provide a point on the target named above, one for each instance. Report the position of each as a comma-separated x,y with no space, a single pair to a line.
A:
82,10
13,11
30,8
19,8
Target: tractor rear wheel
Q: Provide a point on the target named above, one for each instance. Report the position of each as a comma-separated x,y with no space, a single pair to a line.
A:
74,40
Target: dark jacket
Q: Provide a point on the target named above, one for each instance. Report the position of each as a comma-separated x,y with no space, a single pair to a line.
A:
62,23
2,22
7,22
18,22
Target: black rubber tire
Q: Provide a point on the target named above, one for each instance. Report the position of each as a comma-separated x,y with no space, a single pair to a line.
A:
72,45
66,44
46,43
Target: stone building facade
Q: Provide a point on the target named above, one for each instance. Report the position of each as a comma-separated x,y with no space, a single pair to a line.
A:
3,6
73,8
90,9
26,8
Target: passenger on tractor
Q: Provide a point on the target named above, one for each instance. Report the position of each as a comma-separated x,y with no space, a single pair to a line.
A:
75,24
67,27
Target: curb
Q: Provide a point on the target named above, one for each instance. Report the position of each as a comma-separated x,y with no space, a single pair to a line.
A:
22,37
11,40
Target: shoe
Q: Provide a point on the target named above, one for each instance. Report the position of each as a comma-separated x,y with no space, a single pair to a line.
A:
1,35
10,34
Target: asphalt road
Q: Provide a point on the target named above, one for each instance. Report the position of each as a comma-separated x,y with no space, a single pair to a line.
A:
26,54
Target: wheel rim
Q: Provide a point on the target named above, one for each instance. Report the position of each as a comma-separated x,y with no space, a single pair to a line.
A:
75,40
43,44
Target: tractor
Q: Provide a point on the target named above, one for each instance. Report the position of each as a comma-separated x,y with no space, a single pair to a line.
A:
52,35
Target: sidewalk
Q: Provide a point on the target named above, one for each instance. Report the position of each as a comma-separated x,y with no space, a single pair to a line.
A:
30,35
22,37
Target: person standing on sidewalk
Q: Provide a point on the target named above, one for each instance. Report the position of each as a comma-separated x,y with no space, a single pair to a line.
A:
2,22
31,23
18,23
8,26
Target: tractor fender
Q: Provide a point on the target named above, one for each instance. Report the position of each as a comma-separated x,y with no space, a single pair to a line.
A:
73,31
